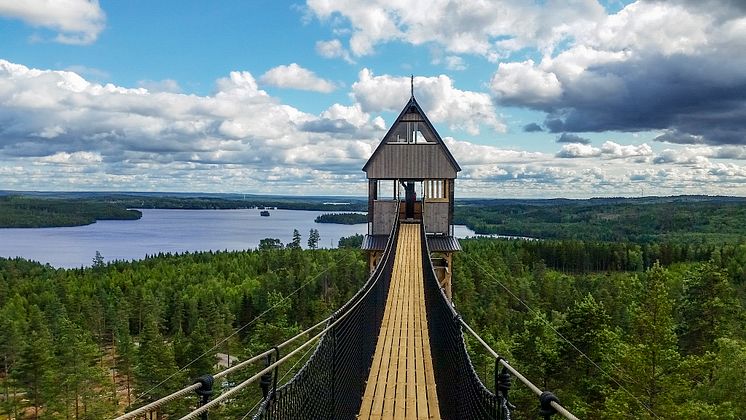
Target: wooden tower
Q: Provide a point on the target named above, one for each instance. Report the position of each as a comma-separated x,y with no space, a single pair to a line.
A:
412,167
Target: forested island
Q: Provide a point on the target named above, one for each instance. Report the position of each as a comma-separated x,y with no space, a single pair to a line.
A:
31,212
342,218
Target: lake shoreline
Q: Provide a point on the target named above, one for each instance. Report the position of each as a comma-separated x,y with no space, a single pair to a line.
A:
169,231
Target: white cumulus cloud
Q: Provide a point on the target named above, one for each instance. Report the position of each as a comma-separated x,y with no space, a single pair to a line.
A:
294,76
578,150
454,62
76,21
460,109
525,82
165,85
140,138
76,158
333,49
490,28
611,149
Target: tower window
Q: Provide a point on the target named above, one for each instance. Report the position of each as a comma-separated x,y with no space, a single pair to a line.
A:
435,189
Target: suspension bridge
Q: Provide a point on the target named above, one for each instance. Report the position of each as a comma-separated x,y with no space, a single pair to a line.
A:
396,349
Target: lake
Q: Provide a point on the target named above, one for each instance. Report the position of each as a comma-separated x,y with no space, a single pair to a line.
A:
170,231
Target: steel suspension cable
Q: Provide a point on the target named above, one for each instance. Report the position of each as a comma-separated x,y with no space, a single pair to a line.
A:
184,391
251,410
510,292
280,380
260,356
557,406
282,360
298,289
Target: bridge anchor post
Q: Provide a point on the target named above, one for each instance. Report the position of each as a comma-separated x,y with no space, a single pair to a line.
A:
503,381
270,378
204,392
545,400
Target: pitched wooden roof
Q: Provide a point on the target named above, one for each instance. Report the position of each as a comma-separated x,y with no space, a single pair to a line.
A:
413,107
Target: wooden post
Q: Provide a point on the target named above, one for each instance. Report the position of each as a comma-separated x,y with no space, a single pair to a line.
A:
373,258
450,183
372,196
447,276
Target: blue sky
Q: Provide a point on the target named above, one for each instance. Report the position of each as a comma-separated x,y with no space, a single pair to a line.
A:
545,99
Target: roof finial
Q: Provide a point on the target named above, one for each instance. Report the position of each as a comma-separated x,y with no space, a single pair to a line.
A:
411,85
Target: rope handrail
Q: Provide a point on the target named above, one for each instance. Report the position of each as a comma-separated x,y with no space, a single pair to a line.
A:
194,387
258,357
159,402
235,389
536,390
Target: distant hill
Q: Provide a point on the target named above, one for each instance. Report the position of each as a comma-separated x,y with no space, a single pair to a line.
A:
643,219
640,219
600,200
54,209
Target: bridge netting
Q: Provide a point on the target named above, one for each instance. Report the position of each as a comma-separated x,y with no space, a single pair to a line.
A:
330,385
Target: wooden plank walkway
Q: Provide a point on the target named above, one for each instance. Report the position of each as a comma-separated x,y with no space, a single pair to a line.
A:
401,384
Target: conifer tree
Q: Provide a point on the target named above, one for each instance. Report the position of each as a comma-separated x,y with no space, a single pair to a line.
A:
246,314
197,345
12,332
80,379
539,346
587,327
295,244
650,361
125,359
707,308
179,344
156,373
270,243
729,375
33,371
313,239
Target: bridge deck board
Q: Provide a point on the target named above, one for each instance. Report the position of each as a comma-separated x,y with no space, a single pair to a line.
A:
401,383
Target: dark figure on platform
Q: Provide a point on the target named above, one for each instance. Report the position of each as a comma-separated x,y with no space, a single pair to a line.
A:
410,196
